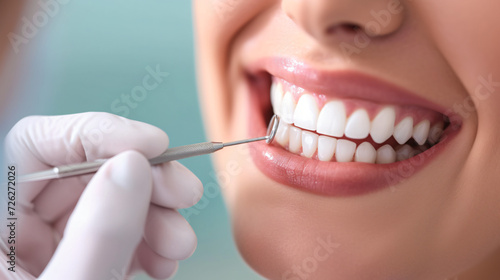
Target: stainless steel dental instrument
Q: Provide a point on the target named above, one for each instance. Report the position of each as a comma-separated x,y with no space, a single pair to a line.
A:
169,155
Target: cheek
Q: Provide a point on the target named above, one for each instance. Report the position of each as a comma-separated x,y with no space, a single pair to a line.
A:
463,35
462,32
232,169
217,23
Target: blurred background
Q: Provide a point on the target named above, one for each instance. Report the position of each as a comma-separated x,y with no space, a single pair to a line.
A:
89,56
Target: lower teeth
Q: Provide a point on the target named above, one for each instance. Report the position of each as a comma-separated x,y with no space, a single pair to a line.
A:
325,148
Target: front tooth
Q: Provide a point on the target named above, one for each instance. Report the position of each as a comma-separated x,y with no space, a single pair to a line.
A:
365,153
309,143
331,119
435,133
421,131
404,130
306,113
386,154
282,134
358,125
404,152
383,125
326,148
276,97
345,150
295,139
287,108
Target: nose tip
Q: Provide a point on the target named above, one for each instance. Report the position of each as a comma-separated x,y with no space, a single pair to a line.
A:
328,19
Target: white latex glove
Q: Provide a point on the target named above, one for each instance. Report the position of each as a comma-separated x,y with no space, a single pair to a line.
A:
121,221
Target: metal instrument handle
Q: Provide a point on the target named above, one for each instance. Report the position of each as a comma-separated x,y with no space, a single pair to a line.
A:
169,155
187,151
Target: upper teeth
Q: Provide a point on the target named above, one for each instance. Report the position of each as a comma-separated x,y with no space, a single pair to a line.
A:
332,120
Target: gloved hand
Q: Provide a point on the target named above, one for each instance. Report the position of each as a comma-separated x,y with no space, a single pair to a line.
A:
101,226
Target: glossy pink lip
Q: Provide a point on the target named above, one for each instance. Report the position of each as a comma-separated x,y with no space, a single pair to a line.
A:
332,178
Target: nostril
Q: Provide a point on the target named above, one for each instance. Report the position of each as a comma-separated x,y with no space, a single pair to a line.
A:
348,28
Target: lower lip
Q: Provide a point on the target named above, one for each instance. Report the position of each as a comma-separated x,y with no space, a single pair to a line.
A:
331,178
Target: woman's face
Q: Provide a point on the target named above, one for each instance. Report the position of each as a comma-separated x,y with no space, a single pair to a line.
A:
386,162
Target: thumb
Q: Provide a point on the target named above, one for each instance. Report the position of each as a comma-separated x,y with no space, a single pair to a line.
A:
107,223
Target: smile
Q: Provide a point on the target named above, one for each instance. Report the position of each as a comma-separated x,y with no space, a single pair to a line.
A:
342,130
341,133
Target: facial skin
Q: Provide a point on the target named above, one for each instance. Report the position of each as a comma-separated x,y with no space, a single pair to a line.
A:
440,222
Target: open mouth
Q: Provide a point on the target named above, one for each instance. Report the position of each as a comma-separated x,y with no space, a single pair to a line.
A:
341,133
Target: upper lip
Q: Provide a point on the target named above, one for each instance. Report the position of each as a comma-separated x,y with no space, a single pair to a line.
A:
346,84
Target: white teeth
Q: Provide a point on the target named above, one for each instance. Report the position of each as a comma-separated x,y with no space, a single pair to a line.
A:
309,143
313,133
421,131
287,108
435,133
345,150
358,125
404,130
365,153
295,139
386,154
326,148
383,125
404,152
306,113
332,118
282,134
276,97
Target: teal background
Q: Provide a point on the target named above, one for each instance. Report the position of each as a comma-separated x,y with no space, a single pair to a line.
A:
90,54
